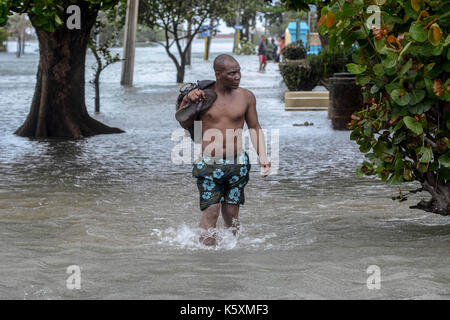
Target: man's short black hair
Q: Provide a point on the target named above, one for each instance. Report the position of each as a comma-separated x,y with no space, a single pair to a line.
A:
219,62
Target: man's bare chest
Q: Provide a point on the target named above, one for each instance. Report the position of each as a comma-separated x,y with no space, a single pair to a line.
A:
226,109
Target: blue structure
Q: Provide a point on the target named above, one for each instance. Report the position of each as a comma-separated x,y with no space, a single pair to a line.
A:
292,27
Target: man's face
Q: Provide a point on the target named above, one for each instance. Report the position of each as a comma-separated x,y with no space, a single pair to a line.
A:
231,75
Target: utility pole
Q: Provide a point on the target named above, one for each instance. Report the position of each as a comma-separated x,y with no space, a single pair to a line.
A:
211,33
237,31
188,36
308,41
129,44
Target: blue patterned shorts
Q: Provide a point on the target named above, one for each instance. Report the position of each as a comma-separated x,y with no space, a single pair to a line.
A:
221,180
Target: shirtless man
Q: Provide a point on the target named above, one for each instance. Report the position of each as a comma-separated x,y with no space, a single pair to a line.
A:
224,168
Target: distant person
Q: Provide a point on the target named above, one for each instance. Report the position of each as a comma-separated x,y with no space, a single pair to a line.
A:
280,48
262,53
274,50
223,171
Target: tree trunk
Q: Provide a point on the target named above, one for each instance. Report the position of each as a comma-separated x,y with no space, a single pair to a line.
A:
58,108
97,92
323,41
19,47
23,43
438,188
440,195
180,73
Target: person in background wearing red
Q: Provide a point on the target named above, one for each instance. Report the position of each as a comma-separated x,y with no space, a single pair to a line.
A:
262,53
280,48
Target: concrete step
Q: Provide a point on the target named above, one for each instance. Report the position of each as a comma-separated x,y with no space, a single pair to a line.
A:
307,102
300,94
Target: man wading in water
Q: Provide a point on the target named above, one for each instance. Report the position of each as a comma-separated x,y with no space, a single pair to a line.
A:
223,171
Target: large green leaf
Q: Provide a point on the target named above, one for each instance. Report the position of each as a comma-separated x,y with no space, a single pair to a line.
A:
378,69
395,179
380,46
406,67
409,10
413,125
390,60
426,154
356,68
400,97
418,32
444,160
416,96
392,86
421,107
348,10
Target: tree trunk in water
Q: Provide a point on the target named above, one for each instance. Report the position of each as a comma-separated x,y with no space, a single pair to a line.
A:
97,92
19,47
23,43
438,188
440,195
180,73
58,108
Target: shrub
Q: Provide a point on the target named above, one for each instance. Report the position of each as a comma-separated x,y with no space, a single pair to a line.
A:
403,66
246,47
301,75
294,51
334,60
3,38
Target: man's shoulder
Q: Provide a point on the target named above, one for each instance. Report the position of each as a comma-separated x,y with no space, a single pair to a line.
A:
246,92
247,95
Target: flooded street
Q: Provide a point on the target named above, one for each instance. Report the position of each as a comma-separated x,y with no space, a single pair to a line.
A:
117,207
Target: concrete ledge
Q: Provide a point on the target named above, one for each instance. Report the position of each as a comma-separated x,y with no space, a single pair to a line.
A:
306,100
299,94
306,109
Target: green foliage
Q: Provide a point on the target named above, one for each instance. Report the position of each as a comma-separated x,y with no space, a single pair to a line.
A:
101,52
101,49
3,38
48,14
334,60
294,51
246,47
303,5
404,70
301,75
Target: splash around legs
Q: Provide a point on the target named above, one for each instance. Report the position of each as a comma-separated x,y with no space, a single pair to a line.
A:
209,219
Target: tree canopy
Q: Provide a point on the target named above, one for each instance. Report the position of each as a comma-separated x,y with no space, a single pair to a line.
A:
48,14
403,66
174,17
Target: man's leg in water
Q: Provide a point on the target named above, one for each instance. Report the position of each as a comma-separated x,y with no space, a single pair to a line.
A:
209,220
230,214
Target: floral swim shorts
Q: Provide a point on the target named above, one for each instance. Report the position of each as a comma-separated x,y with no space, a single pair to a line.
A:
222,180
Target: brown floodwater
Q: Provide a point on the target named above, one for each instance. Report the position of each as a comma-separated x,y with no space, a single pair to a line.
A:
121,210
